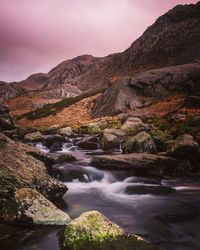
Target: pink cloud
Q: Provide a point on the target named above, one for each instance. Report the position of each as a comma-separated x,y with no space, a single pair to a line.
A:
35,35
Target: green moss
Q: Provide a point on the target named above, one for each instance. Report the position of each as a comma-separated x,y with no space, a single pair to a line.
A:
54,108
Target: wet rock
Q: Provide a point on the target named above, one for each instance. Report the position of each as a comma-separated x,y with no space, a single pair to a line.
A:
140,143
65,131
55,147
65,158
143,164
149,189
92,230
26,169
33,208
88,143
52,139
132,125
144,180
33,137
112,138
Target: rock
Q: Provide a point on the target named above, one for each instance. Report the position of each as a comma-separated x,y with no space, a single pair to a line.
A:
88,143
132,125
160,139
55,147
25,170
192,102
33,137
136,179
52,139
112,138
92,230
65,131
140,143
143,164
33,208
65,158
185,148
91,128
149,189
6,120
53,129
195,121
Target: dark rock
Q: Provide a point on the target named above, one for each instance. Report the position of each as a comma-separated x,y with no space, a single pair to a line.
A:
88,143
51,139
148,189
55,147
143,164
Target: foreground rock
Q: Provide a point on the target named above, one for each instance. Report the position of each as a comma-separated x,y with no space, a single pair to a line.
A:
34,208
112,138
92,230
140,143
20,168
143,164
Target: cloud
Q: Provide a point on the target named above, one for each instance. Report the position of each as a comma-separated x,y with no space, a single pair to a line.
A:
35,35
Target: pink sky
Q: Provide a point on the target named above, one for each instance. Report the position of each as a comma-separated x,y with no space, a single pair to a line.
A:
36,35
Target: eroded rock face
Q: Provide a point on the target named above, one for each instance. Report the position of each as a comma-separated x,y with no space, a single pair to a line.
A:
140,143
34,208
144,164
92,230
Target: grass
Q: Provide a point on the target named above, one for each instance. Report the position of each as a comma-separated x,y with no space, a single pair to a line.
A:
54,108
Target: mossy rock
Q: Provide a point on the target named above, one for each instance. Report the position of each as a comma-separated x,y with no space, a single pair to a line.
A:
161,139
92,230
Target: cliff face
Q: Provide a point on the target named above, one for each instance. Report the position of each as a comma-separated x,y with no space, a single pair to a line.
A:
173,39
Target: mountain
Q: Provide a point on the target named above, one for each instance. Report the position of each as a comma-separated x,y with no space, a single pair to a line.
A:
172,40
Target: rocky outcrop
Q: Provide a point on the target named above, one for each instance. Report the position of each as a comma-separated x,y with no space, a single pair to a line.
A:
155,84
139,143
24,170
10,90
143,164
92,230
32,207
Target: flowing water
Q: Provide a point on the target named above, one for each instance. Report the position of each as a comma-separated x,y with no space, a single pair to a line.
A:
169,220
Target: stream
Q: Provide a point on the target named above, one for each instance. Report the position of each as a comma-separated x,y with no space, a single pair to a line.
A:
169,220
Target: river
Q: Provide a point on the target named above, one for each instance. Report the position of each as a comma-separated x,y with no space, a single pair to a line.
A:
169,220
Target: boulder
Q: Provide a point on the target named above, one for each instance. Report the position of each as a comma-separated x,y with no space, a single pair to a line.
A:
91,128
24,170
132,125
33,137
140,143
49,140
33,208
148,189
55,147
88,143
144,164
65,131
185,148
53,129
92,230
65,158
112,138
